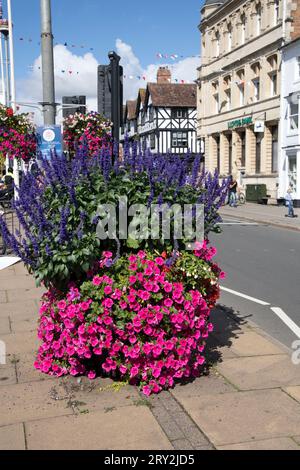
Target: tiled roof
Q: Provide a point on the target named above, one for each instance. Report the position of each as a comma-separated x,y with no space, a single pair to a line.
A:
131,110
173,95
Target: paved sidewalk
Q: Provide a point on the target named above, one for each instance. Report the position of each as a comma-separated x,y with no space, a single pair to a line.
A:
273,215
249,400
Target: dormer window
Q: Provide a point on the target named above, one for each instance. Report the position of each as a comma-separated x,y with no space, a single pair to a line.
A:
179,113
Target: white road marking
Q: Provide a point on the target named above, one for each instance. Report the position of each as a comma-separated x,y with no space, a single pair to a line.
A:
277,310
244,296
238,223
7,261
287,320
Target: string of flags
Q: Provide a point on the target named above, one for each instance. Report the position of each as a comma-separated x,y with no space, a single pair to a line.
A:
160,55
126,77
72,45
66,44
70,72
143,77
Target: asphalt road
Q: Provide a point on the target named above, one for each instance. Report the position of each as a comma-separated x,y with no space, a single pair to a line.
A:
262,262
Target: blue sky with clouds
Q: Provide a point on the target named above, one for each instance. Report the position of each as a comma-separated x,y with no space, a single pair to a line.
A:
137,30
169,26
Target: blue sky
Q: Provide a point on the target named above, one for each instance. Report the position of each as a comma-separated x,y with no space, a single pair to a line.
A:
136,30
169,26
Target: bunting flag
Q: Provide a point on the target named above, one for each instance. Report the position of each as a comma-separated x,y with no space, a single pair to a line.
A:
126,77
73,46
160,55
139,77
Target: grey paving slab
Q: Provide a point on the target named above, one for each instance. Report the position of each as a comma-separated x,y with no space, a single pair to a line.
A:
12,437
244,416
125,428
281,443
259,372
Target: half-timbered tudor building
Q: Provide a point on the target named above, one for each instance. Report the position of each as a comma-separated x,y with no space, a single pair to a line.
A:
166,116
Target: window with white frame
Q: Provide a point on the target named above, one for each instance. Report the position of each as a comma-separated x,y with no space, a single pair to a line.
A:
273,83
217,41
242,94
227,89
256,89
243,28
152,140
258,19
298,67
276,12
151,114
179,113
228,99
216,96
241,86
229,37
180,139
294,116
256,81
217,103
272,60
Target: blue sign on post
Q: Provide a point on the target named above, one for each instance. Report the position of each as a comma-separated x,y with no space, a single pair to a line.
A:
49,140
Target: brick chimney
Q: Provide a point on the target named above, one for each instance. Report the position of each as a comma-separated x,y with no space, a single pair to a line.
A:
295,14
164,75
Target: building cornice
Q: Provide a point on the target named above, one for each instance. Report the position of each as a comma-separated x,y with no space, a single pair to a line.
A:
231,5
245,59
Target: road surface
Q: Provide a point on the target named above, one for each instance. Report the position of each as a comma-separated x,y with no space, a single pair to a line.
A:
262,262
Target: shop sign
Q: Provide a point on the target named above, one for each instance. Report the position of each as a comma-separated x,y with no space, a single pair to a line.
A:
259,126
240,122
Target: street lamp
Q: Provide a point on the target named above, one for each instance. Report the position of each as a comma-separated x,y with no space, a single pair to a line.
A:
48,103
11,54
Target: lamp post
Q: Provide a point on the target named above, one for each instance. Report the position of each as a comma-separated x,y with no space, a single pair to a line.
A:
11,56
116,98
49,105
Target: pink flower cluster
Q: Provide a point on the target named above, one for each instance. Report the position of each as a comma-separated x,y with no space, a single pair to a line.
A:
87,129
17,145
140,326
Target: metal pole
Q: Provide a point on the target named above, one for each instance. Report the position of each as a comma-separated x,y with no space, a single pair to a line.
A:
2,70
11,56
49,105
7,94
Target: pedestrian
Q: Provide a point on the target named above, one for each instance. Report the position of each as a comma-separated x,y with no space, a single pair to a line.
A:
289,203
233,186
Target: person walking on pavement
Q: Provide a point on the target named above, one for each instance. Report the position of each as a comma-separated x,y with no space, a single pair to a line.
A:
289,203
233,192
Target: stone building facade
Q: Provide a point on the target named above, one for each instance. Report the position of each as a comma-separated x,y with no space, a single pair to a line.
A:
239,86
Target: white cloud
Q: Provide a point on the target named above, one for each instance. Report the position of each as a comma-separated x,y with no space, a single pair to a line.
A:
29,90
185,69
